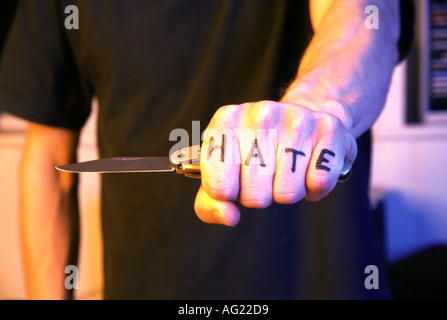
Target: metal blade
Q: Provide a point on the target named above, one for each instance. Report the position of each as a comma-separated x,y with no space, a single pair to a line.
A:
121,164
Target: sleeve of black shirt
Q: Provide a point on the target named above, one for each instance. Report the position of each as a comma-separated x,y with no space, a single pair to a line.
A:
39,79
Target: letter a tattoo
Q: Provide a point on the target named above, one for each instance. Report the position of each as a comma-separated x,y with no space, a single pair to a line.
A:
258,154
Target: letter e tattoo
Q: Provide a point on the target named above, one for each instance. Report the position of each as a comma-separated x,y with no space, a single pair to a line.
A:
322,159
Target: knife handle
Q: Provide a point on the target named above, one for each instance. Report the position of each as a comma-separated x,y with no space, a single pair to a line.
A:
187,162
190,170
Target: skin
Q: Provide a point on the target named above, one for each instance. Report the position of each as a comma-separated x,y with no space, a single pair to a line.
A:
338,93
48,211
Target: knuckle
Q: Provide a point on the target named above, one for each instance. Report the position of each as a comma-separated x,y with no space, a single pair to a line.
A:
329,122
256,202
292,119
288,197
262,114
225,114
254,196
221,190
302,117
299,120
263,106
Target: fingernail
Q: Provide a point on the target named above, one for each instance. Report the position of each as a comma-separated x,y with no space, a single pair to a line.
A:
219,216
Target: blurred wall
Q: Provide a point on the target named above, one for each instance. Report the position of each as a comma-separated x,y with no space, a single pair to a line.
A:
409,174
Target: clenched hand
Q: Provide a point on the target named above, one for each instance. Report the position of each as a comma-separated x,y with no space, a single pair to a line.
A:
257,153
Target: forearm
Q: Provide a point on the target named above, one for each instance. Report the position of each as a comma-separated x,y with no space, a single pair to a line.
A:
347,67
48,223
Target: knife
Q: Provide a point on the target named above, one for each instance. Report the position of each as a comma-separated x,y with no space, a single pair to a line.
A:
184,161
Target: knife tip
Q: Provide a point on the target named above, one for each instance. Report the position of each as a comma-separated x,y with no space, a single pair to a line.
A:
62,168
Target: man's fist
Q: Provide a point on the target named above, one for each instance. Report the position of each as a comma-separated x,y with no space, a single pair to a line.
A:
257,153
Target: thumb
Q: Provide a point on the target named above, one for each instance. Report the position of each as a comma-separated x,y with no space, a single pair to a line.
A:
210,210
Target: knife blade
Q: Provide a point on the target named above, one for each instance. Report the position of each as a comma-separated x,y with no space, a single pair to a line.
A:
184,161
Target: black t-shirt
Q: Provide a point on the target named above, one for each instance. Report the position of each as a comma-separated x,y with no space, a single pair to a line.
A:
156,66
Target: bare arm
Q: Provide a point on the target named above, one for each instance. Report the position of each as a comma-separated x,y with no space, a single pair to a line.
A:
48,211
347,68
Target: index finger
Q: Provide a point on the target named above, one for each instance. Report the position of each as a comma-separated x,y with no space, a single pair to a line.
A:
220,164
